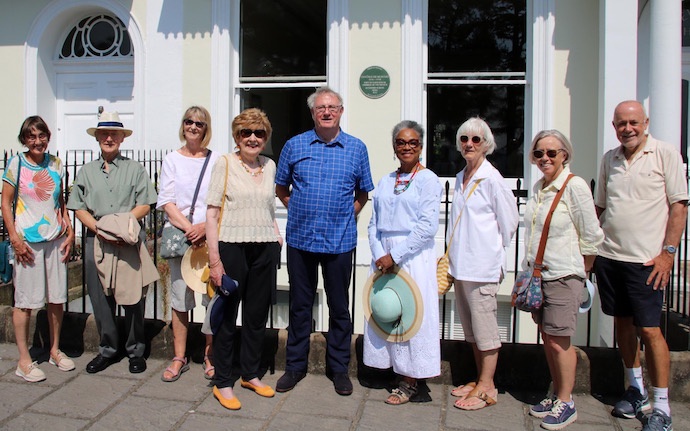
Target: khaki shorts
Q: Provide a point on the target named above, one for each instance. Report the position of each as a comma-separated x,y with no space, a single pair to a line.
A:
181,297
562,298
477,308
46,277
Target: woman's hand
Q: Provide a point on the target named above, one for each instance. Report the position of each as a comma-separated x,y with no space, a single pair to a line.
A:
217,272
385,264
66,245
23,253
196,233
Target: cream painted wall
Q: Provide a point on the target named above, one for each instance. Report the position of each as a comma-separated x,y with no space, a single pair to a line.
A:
14,29
576,70
196,74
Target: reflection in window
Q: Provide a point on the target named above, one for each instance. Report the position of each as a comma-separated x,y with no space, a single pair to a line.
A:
97,36
476,58
686,23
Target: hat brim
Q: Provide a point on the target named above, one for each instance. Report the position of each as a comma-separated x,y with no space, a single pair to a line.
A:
194,262
412,310
92,130
587,303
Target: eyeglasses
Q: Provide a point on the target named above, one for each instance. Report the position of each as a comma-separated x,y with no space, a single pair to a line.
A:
34,138
331,108
475,139
199,124
538,154
413,143
259,133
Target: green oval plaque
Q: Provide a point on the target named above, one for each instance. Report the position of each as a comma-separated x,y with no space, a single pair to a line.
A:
374,82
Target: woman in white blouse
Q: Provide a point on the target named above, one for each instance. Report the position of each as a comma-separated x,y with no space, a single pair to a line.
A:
571,247
179,176
483,219
403,224
244,243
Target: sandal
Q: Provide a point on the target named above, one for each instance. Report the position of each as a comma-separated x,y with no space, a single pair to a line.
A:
402,394
463,390
175,375
481,400
209,370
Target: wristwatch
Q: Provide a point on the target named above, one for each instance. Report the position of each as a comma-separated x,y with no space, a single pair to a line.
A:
670,249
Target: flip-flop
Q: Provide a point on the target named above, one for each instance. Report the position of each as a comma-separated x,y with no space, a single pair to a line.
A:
463,390
175,375
482,399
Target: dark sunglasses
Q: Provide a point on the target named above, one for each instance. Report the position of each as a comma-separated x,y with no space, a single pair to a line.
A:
259,133
538,154
199,124
475,139
413,143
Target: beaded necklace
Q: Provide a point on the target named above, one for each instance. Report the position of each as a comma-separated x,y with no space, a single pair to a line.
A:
402,185
246,168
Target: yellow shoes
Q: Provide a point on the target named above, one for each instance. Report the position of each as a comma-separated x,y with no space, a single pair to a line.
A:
229,403
265,391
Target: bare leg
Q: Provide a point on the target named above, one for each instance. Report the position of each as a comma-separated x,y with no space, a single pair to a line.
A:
564,363
486,368
657,356
55,314
208,355
628,343
392,399
20,321
180,326
551,361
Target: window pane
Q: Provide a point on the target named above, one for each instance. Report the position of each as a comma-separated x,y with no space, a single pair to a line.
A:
287,111
686,23
501,106
283,38
477,35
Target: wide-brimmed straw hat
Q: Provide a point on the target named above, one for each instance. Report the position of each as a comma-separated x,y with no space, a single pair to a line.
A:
393,305
109,121
194,264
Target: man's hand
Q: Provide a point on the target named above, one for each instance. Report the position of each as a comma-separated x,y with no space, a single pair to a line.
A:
661,273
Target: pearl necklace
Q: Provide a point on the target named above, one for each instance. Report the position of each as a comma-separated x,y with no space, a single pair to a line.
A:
249,171
402,185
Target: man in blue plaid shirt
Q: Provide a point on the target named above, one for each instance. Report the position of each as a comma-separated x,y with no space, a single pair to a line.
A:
331,179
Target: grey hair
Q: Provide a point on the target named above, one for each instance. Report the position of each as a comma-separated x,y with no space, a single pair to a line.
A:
311,100
477,126
565,144
408,124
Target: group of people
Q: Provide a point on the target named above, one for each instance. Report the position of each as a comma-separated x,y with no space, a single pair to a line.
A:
323,178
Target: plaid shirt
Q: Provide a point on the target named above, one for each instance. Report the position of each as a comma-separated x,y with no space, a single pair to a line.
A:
324,178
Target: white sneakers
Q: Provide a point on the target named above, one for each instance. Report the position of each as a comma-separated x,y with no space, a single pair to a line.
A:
34,374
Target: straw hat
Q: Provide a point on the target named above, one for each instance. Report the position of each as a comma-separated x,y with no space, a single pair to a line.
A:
194,264
393,305
109,121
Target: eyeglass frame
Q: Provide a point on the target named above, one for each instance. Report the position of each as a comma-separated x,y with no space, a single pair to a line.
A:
412,143
475,139
33,138
198,124
246,133
538,154
331,108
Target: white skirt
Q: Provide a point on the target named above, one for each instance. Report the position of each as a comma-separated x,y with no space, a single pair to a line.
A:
420,357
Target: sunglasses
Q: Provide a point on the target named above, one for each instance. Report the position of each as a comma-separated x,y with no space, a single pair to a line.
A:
475,139
259,133
538,154
413,143
199,124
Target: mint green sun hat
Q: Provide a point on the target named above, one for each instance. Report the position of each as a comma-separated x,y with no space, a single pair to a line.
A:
393,305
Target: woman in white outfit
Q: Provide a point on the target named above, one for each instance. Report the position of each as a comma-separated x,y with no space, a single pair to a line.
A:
483,219
403,224
178,180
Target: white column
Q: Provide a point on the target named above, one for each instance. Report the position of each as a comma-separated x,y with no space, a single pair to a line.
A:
665,70
617,64
222,56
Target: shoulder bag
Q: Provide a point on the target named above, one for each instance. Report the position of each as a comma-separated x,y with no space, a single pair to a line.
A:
173,241
527,294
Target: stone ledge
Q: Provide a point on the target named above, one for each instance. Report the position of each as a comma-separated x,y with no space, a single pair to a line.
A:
520,366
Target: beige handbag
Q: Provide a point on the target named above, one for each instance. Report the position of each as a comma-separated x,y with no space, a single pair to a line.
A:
444,279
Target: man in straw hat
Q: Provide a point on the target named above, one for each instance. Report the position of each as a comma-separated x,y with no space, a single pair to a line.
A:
109,185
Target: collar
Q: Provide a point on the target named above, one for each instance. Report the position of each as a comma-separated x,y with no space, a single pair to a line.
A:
115,161
558,182
337,141
649,147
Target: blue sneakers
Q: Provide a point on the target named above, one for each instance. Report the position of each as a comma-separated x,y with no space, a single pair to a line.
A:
658,421
560,416
543,408
632,403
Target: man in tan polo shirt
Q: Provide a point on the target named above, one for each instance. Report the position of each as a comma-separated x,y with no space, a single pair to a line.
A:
641,199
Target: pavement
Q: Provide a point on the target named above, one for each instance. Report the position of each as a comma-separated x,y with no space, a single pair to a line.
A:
115,399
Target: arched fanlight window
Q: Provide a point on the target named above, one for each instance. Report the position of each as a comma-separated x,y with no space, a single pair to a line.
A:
97,37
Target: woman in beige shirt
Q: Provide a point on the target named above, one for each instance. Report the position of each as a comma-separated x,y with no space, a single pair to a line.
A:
246,247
